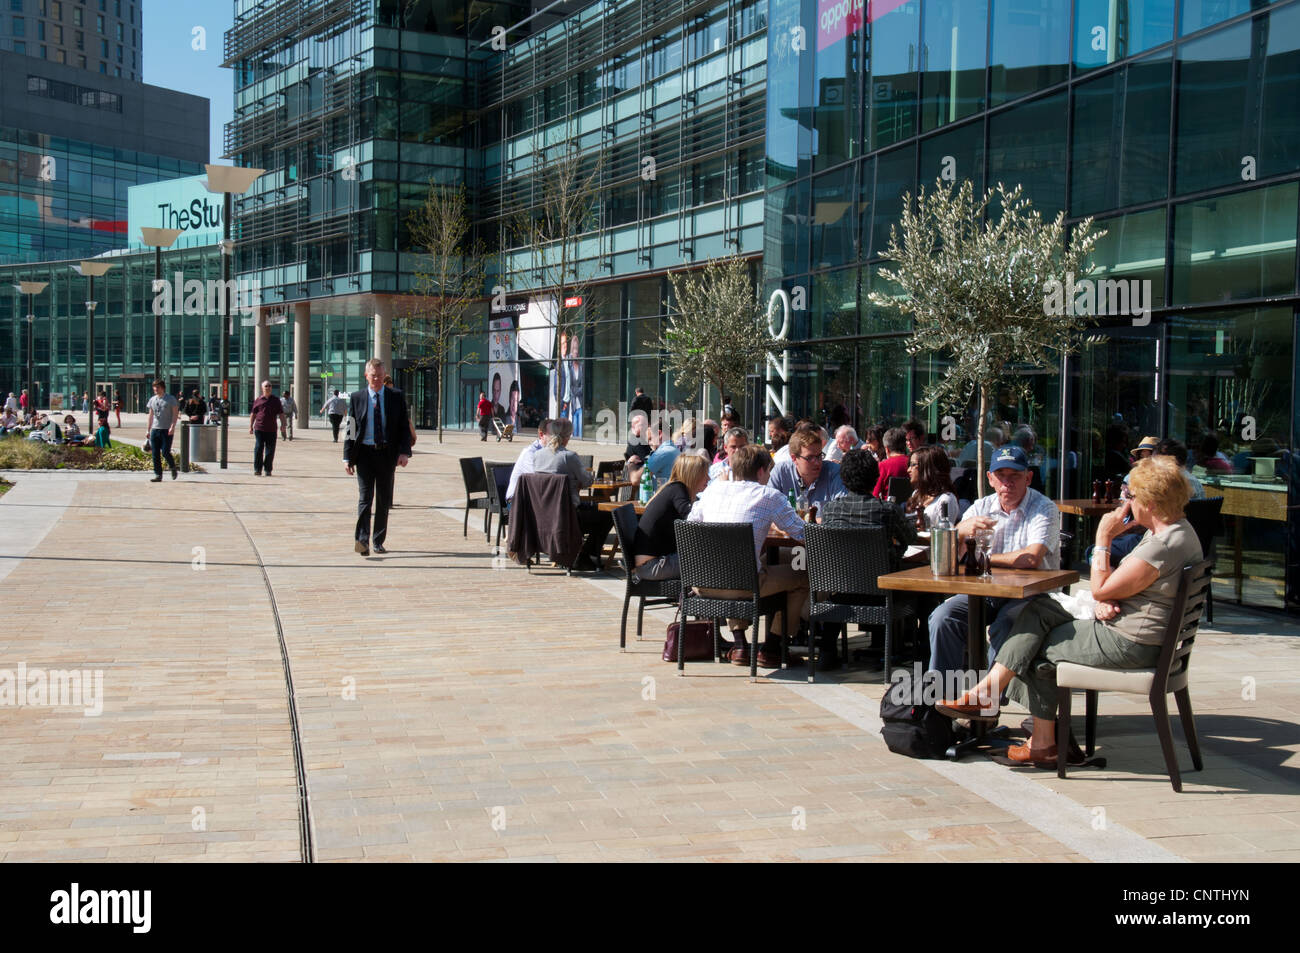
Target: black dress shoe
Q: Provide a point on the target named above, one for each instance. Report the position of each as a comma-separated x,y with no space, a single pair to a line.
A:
379,549
362,548
155,479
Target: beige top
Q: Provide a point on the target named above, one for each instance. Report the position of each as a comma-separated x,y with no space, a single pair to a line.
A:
1144,617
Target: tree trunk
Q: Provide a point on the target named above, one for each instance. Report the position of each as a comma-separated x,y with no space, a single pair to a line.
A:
979,442
437,397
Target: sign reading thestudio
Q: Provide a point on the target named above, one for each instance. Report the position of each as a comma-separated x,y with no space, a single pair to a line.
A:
183,204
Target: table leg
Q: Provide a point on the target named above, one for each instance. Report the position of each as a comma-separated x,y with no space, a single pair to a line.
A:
976,658
1236,555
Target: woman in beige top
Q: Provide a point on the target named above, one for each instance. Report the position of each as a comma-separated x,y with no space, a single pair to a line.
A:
1134,604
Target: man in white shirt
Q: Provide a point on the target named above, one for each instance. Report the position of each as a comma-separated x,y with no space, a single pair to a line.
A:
288,409
1026,535
846,439
732,440
746,498
524,462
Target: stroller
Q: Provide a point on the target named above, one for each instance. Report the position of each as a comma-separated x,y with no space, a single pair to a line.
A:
503,429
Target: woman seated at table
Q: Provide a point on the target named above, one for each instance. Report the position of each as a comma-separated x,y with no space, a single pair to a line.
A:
656,539
1133,608
930,474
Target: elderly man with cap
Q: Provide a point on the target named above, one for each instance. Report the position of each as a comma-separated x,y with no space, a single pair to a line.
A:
1026,535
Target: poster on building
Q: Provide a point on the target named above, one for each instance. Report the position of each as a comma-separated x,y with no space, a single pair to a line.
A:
503,370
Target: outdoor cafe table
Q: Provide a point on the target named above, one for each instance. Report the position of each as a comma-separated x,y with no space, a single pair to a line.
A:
607,489
1004,584
1085,507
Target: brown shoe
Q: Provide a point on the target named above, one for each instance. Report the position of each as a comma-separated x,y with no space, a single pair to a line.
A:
773,659
1039,757
962,710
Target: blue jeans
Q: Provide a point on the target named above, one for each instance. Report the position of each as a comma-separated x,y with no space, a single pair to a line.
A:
160,443
948,631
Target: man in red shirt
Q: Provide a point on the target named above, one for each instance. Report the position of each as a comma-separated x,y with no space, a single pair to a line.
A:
484,413
895,462
264,425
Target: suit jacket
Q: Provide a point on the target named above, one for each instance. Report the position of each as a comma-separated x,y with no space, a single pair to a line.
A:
397,429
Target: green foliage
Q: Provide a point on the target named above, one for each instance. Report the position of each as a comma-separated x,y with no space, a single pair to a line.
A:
716,332
19,453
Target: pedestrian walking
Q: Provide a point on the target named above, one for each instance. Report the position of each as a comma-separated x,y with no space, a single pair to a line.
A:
263,424
484,413
117,408
25,405
85,402
336,407
372,450
11,404
289,409
164,411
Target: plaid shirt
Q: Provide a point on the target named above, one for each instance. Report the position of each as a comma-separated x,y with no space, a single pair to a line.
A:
852,510
1036,521
743,501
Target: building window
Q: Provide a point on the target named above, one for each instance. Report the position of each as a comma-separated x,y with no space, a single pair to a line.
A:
103,68
16,5
119,52
81,61
56,9
1031,47
103,48
99,23
40,29
119,32
44,53
117,71
20,27
76,16
60,56
20,46
58,33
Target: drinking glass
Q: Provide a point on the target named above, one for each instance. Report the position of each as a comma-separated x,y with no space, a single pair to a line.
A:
984,543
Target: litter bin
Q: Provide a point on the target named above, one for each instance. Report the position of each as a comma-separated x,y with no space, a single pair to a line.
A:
203,442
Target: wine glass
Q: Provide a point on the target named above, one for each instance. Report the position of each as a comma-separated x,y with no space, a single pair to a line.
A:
984,545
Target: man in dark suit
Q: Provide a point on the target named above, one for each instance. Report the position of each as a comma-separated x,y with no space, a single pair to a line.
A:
378,441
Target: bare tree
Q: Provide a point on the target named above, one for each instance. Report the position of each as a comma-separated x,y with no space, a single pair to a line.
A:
716,331
448,280
975,281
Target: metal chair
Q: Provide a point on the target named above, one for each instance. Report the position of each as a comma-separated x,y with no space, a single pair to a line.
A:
843,566
497,479
586,459
1168,677
475,478
1206,517
900,488
721,556
609,470
647,591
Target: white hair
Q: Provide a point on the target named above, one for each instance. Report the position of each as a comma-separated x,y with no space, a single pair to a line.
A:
846,429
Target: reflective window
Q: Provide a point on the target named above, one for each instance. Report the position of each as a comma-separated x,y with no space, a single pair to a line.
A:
895,175
835,306
834,221
1133,249
1109,30
1235,246
1237,90
1027,147
953,42
1031,46
1202,13
1121,137
835,106
954,155
894,49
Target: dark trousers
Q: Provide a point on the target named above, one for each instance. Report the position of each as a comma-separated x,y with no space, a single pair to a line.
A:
595,525
160,442
375,472
263,450
335,420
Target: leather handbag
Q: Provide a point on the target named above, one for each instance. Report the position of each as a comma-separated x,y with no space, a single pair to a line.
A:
698,646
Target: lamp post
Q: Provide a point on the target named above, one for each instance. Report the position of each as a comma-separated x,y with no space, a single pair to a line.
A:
158,239
91,270
230,181
31,289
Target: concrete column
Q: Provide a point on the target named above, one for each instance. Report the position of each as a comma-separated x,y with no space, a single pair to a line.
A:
261,352
302,361
384,332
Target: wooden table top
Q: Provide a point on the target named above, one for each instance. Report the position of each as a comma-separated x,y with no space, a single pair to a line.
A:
610,485
610,506
1085,507
781,541
1005,583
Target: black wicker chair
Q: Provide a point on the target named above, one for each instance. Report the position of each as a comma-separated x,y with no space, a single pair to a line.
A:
498,479
647,591
844,564
1169,677
472,472
1206,517
900,489
721,556
586,459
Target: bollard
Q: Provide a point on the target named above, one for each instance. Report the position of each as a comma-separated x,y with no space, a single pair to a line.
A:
185,446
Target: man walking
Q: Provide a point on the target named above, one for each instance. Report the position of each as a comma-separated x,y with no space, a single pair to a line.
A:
288,409
164,410
263,423
378,440
484,413
336,407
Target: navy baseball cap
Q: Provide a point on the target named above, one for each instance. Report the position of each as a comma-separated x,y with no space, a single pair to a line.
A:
1009,458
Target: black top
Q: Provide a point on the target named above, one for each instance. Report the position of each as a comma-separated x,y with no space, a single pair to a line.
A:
655,535
643,402
641,450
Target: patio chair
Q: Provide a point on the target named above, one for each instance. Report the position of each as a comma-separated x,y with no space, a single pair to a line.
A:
843,566
609,470
1206,517
586,459
647,591
475,479
721,556
1168,677
543,519
497,479
900,488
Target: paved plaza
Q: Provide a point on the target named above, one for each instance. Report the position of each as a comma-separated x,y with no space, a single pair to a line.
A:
453,706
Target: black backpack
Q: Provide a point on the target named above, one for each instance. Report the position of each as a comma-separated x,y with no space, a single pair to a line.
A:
917,731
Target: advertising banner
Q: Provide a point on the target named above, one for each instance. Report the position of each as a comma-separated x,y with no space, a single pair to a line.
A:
503,369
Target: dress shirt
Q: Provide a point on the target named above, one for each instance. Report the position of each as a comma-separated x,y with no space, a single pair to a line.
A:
524,464
785,477
1036,521
743,501
661,461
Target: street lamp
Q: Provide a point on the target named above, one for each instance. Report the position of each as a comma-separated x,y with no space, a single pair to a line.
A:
91,270
158,239
31,289
231,181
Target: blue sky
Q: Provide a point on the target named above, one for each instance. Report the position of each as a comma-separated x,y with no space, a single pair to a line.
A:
171,60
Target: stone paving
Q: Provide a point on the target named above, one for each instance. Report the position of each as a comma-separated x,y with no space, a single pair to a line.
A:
454,708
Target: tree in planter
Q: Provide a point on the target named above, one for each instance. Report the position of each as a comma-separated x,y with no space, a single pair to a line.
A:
974,276
716,331
448,279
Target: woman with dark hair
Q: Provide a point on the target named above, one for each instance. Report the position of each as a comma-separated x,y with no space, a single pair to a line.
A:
873,441
930,475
